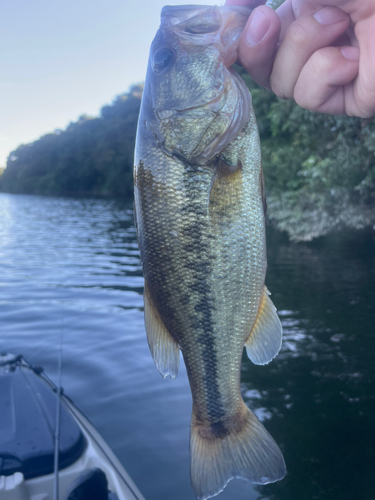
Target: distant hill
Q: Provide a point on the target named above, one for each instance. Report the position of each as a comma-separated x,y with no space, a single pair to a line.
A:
91,156
319,169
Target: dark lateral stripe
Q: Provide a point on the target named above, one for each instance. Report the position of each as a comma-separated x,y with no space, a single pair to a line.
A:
200,268
214,405
197,246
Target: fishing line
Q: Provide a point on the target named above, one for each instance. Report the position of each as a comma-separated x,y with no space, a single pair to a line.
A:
57,422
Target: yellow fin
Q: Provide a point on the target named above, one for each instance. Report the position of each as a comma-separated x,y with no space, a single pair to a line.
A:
164,349
245,450
226,190
265,338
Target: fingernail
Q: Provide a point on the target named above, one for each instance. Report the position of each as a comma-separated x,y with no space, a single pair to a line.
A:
330,15
258,27
351,53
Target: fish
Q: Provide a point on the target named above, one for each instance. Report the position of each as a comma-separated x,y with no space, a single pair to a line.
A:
200,219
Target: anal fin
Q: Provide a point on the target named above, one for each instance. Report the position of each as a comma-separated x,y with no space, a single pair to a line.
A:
265,338
164,349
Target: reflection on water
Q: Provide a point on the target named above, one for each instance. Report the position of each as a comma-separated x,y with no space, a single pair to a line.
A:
325,405
72,265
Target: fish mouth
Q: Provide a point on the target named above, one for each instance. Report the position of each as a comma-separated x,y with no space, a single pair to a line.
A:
199,127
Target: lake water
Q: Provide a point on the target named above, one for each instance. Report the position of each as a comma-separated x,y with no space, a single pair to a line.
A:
71,267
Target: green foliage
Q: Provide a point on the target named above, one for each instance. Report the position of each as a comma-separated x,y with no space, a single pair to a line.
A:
319,169
274,3
92,156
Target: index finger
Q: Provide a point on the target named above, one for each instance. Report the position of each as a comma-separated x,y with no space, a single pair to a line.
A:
286,15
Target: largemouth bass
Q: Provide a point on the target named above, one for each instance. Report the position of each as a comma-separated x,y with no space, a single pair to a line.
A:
199,209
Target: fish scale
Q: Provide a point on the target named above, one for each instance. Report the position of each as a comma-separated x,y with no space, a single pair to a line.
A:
201,233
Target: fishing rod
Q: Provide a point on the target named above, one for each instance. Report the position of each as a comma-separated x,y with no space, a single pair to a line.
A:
57,424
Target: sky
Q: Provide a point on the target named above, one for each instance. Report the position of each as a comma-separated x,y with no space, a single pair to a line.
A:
60,59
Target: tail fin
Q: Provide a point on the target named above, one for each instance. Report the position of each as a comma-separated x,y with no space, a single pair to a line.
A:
247,451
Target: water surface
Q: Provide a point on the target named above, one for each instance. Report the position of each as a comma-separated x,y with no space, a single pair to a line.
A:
70,267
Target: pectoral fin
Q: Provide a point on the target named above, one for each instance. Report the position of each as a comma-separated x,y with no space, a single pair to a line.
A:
164,349
265,338
226,190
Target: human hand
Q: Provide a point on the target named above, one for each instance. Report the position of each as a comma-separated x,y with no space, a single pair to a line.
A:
321,53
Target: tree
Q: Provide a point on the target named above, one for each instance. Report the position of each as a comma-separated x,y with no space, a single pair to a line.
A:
319,169
92,156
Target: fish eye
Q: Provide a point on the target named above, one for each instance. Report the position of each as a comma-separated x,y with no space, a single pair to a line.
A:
162,59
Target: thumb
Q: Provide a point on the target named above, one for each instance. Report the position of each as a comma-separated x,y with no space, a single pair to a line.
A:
258,44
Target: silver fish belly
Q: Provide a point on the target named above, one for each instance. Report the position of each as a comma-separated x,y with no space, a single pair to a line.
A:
199,211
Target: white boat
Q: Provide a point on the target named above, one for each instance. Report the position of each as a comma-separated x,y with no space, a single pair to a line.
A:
88,469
